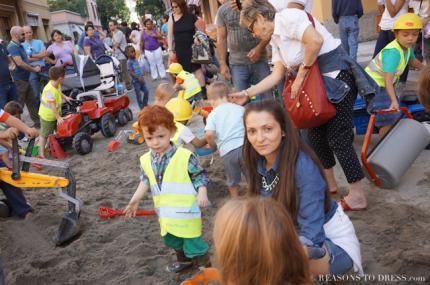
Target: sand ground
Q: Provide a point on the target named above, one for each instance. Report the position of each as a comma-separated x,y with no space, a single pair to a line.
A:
393,232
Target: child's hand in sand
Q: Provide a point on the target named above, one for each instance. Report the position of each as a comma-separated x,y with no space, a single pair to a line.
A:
130,210
202,198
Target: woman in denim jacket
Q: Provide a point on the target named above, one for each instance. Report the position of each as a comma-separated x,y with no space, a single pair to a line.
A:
281,166
296,45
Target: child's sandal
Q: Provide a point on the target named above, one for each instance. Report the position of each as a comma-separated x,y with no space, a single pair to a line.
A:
178,266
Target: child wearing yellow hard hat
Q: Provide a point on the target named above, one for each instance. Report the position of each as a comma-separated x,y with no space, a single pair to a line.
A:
389,64
186,81
182,112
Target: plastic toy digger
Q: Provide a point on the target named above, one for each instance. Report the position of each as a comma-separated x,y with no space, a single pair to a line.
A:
22,178
136,137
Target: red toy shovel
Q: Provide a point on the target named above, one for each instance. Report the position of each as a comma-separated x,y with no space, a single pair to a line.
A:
108,213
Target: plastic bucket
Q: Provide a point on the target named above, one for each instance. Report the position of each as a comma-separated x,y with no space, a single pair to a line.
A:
396,152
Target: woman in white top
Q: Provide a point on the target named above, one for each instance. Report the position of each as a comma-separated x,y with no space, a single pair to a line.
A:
135,38
282,4
393,10
297,45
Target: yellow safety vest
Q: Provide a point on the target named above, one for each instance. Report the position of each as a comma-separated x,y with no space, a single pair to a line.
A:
45,112
374,69
174,201
179,129
191,84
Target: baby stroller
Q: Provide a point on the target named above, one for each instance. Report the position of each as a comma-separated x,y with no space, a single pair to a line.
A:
99,81
99,103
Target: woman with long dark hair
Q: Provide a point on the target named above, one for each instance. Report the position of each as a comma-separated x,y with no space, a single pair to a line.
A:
280,165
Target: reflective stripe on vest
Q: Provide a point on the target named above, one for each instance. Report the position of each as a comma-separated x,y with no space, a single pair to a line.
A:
45,111
374,69
175,200
179,128
191,84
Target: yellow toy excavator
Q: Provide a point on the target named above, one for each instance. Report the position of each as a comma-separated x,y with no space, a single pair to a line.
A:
21,177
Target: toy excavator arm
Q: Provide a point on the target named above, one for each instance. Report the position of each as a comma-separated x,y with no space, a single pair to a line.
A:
33,180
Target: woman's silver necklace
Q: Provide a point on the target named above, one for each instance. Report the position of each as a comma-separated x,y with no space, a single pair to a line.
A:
272,185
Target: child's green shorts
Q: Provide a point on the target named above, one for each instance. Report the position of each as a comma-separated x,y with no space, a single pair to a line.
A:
47,127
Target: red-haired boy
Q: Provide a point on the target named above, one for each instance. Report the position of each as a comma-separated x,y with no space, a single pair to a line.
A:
178,186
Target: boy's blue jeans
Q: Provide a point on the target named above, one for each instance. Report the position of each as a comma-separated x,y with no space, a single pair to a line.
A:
349,29
142,93
15,200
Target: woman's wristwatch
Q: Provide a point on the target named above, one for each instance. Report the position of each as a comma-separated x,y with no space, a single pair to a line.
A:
246,93
304,66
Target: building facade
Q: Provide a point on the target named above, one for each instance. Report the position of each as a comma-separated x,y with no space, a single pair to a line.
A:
92,12
34,13
69,23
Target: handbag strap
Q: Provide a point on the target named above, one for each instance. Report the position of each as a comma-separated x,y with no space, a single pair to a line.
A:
311,19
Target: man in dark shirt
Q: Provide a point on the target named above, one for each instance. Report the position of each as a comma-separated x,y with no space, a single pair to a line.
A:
346,13
7,87
21,74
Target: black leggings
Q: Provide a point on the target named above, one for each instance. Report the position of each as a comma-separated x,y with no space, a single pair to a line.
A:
336,136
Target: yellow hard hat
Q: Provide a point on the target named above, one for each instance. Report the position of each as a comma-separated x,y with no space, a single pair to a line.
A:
408,21
180,108
175,68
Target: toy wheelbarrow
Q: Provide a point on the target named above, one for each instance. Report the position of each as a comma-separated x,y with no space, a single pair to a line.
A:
108,213
396,151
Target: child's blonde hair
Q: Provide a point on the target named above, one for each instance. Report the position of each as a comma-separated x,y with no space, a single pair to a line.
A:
218,89
164,92
424,87
249,235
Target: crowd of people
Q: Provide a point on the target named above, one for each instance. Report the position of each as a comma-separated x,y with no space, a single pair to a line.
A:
259,141
289,182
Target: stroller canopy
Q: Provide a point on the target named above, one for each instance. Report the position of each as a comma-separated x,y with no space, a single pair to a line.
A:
86,76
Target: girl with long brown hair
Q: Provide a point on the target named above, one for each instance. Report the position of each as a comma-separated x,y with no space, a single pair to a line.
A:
281,166
256,244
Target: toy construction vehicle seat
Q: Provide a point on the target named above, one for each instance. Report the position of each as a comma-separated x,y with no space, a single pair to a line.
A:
86,77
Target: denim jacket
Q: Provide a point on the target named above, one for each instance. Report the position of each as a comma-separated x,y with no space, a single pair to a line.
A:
338,59
311,187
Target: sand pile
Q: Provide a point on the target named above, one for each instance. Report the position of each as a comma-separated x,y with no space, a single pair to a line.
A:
394,230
